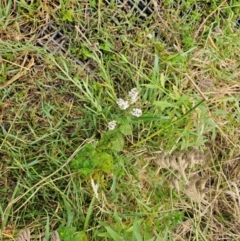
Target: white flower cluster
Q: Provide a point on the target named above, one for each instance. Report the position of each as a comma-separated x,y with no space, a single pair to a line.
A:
122,104
132,98
125,104
133,95
112,125
136,112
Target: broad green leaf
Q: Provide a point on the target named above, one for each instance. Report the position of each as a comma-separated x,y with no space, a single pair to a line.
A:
105,142
105,162
118,143
80,236
86,171
66,233
126,129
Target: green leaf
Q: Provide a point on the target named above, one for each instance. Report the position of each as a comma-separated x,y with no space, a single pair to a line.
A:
68,15
93,3
104,235
105,162
136,231
80,236
113,234
70,234
90,159
118,143
86,164
107,46
162,80
126,129
84,158
66,233
105,142
70,215
163,104
86,171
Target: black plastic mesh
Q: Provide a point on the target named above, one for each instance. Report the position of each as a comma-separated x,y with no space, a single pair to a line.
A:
143,8
238,22
54,40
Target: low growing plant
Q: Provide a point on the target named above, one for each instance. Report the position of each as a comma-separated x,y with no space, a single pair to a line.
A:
98,156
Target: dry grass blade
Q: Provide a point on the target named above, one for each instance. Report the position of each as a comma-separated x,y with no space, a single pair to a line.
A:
55,236
196,190
205,20
24,235
21,73
38,185
156,8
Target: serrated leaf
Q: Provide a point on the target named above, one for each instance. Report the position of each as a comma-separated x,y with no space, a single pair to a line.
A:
80,236
86,171
106,162
85,158
118,143
105,142
126,129
66,233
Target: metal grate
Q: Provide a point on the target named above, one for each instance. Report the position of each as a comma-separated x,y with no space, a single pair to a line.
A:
55,41
143,8
237,22
52,39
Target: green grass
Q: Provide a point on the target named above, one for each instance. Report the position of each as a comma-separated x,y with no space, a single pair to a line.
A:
170,174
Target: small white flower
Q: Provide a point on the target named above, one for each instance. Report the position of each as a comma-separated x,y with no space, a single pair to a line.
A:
112,125
122,104
133,95
136,112
150,36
